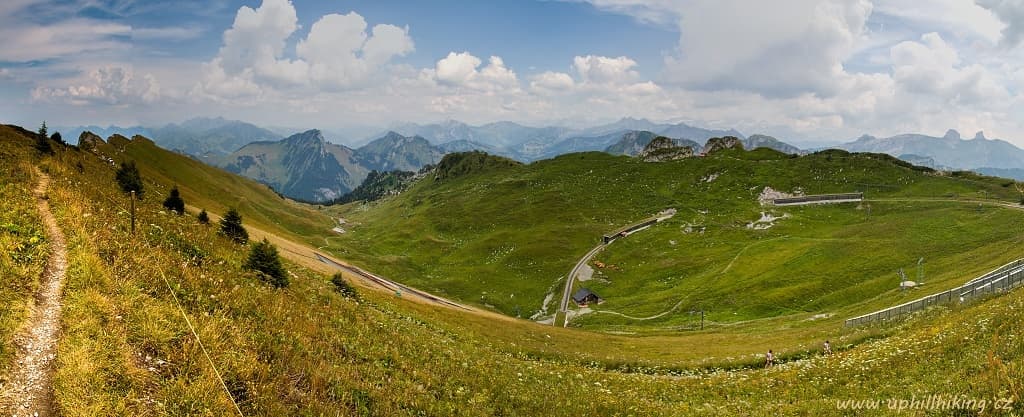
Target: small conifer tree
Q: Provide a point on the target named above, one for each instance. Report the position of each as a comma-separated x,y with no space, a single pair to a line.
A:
203,217
174,202
58,138
343,287
231,226
43,141
129,179
263,257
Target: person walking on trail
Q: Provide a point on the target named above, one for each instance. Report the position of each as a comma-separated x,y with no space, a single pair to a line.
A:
827,348
769,359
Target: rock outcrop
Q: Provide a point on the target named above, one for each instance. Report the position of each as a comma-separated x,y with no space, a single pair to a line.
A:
717,144
89,140
662,149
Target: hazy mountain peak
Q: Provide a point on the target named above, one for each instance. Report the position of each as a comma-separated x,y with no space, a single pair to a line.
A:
312,136
392,135
952,134
973,153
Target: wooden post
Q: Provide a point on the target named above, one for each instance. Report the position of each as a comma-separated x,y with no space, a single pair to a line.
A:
133,211
702,319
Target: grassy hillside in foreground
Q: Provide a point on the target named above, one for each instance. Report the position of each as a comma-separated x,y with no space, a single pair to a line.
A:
304,350
23,244
508,237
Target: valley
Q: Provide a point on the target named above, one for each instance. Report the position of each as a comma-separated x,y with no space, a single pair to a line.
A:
113,303
621,208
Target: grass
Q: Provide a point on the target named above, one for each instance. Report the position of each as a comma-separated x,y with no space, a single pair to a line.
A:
307,350
203,186
500,239
819,260
23,243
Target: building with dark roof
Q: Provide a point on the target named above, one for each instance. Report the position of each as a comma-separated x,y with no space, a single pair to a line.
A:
584,296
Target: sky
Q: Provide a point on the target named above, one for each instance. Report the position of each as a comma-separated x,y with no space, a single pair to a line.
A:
801,70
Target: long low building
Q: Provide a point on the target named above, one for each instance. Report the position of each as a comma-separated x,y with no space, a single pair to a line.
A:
819,199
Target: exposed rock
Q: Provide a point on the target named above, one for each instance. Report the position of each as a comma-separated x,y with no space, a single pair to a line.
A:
768,195
718,144
89,140
662,149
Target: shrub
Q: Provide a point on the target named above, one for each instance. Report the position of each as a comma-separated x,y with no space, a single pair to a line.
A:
203,217
57,138
264,259
343,287
129,179
231,226
174,201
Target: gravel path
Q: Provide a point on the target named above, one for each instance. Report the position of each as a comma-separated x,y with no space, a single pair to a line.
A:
29,390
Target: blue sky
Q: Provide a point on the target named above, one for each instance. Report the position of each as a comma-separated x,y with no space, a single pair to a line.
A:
799,69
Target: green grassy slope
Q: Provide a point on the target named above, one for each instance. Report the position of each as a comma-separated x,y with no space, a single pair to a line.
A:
818,260
304,350
203,186
507,237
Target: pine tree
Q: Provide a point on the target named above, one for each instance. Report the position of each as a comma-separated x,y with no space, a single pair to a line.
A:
58,138
231,226
174,201
343,287
263,257
203,217
43,141
129,179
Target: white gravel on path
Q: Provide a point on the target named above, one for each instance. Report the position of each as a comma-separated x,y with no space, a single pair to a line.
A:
28,389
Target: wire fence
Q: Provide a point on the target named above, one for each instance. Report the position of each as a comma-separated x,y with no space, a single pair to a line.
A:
998,281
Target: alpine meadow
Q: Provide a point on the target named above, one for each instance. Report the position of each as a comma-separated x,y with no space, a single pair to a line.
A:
511,208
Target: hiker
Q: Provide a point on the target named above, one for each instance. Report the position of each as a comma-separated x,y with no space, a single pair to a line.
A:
827,349
769,359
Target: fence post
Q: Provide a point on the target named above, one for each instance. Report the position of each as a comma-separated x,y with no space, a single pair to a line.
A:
133,211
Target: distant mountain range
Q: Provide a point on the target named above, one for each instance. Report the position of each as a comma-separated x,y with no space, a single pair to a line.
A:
529,144
204,137
948,151
199,137
306,166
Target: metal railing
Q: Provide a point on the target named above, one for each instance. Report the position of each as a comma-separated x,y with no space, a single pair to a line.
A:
999,280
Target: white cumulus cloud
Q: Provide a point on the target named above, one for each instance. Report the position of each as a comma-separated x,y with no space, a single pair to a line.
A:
336,54
605,70
1011,13
462,69
552,82
108,85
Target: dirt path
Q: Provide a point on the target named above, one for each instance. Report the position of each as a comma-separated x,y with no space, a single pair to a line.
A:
29,391
674,308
